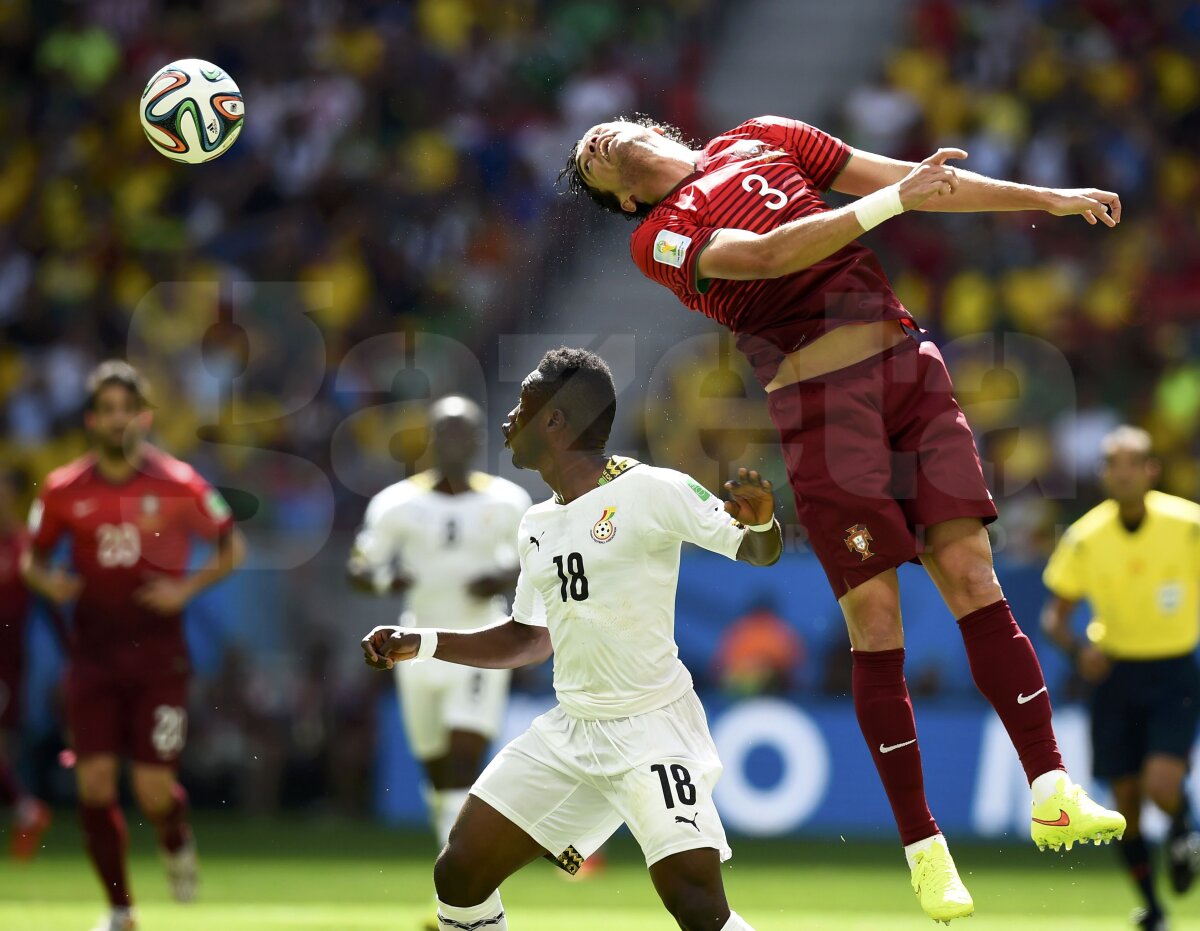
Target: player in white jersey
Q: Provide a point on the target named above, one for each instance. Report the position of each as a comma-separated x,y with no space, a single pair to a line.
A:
628,741
447,539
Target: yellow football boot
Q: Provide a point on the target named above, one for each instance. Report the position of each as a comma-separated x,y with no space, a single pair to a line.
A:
935,881
1069,816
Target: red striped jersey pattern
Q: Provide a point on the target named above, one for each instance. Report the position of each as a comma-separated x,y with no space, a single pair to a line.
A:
760,175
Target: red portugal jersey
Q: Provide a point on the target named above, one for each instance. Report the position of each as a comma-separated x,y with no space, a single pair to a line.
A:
121,536
760,175
14,598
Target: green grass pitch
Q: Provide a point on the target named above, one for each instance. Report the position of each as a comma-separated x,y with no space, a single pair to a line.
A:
301,875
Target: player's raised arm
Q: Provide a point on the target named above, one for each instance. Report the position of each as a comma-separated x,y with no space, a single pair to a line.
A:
506,645
867,173
742,255
752,503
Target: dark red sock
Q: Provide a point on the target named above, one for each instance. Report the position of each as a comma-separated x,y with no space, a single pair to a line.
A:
10,786
1007,672
106,839
885,716
172,825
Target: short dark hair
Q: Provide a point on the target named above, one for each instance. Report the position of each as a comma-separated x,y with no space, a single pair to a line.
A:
606,199
116,372
580,384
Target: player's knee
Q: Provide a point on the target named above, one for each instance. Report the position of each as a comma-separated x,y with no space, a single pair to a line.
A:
873,631
455,880
97,788
975,583
1163,789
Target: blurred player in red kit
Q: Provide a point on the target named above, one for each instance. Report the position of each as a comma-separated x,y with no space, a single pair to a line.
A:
880,457
31,816
129,511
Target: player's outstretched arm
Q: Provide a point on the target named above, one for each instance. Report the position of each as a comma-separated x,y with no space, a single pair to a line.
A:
741,255
867,172
752,503
506,645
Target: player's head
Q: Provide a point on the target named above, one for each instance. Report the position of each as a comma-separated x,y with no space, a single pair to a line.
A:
567,404
628,166
1129,468
454,423
118,409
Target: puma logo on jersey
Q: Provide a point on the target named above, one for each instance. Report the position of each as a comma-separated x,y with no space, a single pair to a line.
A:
680,819
536,542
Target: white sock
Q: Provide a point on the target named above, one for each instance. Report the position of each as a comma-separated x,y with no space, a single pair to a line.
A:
450,803
911,850
486,916
736,923
1046,784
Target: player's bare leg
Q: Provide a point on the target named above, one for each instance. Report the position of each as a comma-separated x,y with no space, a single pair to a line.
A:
1136,854
1006,670
105,835
451,777
690,886
1163,782
484,849
31,816
164,802
885,717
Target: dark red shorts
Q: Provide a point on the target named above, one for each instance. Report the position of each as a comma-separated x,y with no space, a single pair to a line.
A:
10,695
142,717
876,453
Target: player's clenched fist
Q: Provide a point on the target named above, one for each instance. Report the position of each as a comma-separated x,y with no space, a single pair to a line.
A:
751,498
933,177
385,646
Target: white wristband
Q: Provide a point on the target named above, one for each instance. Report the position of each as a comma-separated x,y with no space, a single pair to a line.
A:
429,643
878,206
762,528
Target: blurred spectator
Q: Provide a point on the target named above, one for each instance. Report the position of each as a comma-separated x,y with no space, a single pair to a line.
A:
759,654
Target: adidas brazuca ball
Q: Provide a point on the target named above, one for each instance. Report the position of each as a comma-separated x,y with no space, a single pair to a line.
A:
192,111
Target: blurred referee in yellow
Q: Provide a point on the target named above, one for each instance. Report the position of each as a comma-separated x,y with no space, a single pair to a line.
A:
1136,559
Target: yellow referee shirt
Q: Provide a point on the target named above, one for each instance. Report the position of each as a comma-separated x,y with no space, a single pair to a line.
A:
1144,587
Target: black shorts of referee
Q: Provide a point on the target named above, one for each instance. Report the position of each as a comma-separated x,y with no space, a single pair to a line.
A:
1144,708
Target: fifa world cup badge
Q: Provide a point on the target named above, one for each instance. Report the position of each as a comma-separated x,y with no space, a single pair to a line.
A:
604,529
858,540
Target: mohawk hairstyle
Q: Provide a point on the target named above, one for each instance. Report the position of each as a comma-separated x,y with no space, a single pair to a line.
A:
606,199
580,384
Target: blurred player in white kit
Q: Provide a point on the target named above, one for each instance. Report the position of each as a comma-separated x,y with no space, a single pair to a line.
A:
446,538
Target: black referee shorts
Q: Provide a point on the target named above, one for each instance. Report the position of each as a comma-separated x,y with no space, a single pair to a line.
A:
1144,708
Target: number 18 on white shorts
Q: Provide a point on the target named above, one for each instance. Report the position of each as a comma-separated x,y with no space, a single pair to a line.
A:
569,783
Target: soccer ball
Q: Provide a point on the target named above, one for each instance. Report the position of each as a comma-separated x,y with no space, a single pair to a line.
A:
191,111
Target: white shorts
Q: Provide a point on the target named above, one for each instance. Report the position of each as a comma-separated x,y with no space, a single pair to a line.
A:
437,698
570,783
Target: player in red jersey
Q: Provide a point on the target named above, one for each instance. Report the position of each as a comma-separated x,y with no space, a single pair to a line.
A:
129,511
880,457
31,815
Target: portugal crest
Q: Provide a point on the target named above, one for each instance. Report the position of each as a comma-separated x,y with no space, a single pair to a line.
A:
604,529
858,540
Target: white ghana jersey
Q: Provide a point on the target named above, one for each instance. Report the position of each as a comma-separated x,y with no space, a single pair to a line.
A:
601,573
443,542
